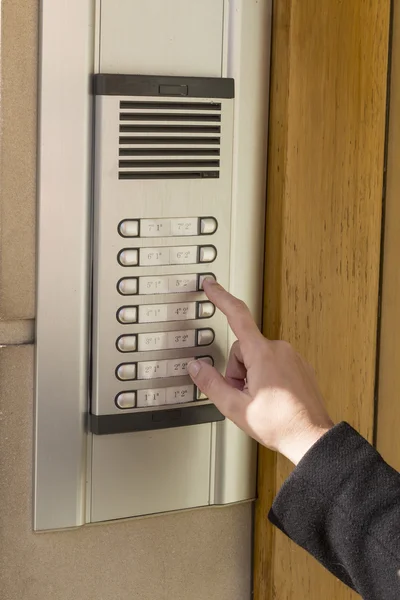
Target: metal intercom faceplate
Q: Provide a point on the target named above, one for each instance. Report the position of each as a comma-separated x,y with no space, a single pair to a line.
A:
163,192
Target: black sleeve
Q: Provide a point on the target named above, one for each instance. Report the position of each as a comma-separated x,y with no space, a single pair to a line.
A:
342,505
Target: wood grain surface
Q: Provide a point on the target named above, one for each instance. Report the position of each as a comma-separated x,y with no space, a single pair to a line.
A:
388,408
325,182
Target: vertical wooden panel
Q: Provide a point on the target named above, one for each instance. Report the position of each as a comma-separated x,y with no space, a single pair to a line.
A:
388,415
277,153
327,134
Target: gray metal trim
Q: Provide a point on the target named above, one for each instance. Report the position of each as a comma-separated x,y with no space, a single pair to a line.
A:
163,86
63,263
151,420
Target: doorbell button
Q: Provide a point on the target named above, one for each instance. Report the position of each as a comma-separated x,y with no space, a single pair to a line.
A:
126,400
205,310
128,286
127,314
126,371
205,337
129,228
207,254
200,395
208,225
127,343
202,277
129,257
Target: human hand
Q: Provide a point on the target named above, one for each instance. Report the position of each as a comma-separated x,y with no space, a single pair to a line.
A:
268,390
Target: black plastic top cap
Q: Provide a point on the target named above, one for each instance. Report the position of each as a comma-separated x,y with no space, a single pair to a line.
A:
163,86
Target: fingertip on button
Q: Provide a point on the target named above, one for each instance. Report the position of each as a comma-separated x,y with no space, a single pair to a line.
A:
210,277
193,368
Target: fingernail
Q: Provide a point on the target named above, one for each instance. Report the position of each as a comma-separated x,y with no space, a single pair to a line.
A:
193,368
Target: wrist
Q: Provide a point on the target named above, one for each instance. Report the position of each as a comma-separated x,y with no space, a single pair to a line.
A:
299,444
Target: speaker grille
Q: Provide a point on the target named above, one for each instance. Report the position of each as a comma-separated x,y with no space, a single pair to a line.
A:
169,140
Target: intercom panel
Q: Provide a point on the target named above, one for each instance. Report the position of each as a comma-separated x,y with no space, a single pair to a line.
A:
162,200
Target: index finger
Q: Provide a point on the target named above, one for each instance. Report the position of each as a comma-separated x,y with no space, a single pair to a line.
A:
236,311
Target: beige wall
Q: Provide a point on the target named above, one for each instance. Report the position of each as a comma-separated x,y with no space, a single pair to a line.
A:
197,555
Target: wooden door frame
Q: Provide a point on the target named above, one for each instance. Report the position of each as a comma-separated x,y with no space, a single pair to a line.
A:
388,385
323,236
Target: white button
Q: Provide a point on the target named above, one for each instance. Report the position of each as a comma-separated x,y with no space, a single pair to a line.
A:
128,314
184,226
129,257
180,394
152,369
183,255
129,228
128,286
127,343
203,277
127,371
205,310
200,395
154,256
126,400
208,225
155,228
151,397
205,337
207,254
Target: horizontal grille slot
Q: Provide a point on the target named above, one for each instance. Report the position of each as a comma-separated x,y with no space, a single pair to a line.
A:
126,164
169,140
169,117
127,104
169,175
169,152
169,129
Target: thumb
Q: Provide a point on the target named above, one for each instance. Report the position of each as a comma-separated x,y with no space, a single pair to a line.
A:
230,401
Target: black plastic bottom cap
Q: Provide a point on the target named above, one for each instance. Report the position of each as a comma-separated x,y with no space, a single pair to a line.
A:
158,419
